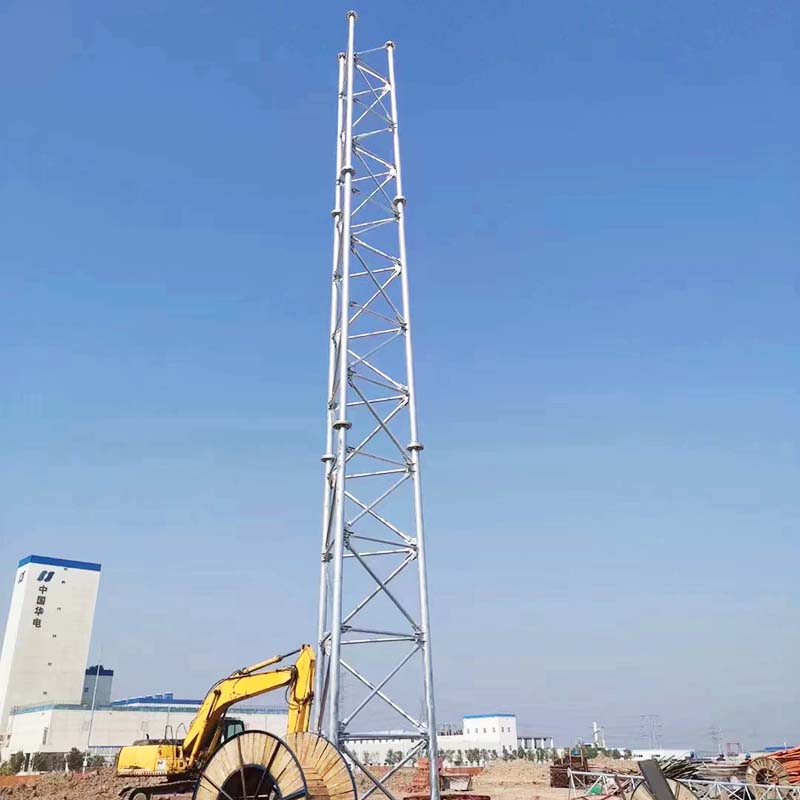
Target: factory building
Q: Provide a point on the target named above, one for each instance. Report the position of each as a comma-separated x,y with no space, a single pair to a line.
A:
660,752
49,627
494,733
535,742
491,732
56,728
97,686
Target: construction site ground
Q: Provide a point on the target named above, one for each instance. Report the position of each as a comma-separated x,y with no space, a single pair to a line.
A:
501,780
524,780
517,780
103,785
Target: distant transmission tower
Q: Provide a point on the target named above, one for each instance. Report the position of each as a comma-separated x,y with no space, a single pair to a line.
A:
716,737
651,729
374,630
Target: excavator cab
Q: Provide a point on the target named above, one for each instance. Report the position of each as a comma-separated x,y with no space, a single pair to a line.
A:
231,728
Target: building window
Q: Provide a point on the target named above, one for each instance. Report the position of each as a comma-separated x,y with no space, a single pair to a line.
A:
44,735
484,730
494,730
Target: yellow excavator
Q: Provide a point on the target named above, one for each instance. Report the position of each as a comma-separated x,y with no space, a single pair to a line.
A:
219,760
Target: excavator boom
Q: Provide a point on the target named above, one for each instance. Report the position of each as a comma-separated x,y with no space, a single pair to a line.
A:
206,730
301,765
245,684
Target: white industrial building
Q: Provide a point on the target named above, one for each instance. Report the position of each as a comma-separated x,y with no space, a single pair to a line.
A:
56,728
97,686
490,732
660,752
49,627
535,742
493,733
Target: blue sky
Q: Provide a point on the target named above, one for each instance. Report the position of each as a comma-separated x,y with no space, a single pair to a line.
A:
603,249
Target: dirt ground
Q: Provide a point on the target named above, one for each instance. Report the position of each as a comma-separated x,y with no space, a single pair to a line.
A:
517,780
524,780
101,785
511,780
501,780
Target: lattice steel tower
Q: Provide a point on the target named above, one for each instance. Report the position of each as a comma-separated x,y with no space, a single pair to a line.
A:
374,633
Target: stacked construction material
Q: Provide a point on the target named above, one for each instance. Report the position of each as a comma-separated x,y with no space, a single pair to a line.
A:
559,771
678,768
781,767
721,770
454,784
421,780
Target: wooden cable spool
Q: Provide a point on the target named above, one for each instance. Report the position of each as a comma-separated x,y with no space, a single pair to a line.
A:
322,762
781,768
766,769
256,765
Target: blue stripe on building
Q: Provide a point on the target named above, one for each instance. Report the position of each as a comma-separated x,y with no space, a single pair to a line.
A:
59,562
486,716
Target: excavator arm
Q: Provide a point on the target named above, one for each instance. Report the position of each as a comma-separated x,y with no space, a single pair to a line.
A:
204,732
205,765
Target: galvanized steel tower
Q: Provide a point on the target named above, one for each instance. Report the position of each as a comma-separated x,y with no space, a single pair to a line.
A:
374,669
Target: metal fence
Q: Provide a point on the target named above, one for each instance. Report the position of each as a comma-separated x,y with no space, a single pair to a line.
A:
589,784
